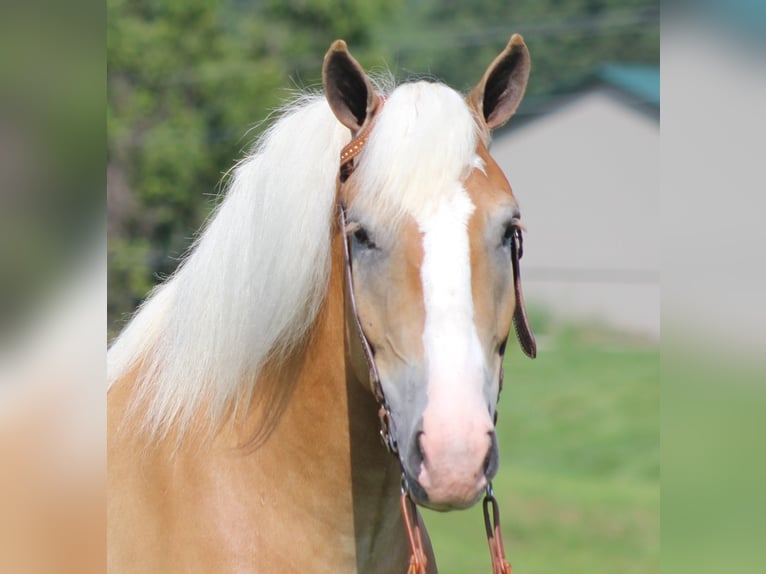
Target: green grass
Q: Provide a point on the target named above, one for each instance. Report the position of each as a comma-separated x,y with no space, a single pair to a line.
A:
578,485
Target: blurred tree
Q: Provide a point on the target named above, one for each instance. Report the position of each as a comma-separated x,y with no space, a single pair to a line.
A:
455,40
187,78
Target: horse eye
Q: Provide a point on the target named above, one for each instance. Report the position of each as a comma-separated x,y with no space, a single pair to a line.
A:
363,238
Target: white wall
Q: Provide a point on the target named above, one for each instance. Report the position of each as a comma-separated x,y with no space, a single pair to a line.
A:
587,178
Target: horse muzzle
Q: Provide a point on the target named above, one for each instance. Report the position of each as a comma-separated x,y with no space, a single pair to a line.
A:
450,466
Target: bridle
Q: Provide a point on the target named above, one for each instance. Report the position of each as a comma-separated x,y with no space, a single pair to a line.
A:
418,561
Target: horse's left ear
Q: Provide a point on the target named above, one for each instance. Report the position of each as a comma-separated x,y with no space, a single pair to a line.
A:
348,90
500,90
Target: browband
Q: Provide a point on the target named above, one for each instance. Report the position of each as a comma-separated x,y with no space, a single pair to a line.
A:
357,143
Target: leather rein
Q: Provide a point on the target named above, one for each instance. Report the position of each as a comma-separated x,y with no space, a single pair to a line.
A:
418,561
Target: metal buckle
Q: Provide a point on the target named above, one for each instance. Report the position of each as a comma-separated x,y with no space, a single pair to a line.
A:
385,429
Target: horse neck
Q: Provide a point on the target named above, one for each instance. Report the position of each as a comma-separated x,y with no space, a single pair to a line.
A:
331,427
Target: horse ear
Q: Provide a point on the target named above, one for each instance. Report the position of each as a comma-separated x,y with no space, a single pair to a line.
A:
500,90
347,88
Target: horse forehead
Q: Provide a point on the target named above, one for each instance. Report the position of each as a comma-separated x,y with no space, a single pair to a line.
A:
487,186
411,255
485,191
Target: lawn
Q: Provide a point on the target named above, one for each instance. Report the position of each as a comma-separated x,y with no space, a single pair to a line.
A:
578,484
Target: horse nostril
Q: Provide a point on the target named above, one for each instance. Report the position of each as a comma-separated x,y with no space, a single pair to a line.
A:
491,461
416,456
419,446
501,349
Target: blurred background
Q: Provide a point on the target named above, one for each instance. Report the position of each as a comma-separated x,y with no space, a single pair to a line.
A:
191,84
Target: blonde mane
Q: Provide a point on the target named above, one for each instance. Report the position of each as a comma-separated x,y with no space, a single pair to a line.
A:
254,280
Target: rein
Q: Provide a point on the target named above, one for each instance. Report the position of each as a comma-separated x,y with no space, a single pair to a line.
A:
418,560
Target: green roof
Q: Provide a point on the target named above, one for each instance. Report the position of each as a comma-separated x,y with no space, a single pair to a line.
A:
746,16
640,81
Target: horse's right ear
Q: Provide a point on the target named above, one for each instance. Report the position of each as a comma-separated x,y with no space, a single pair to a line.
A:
347,88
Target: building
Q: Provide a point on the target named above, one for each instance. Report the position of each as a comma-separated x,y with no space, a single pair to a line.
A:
585,168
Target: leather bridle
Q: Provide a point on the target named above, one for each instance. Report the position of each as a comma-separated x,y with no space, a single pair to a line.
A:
418,560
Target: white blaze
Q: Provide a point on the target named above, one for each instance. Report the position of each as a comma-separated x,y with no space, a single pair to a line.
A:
456,423
453,352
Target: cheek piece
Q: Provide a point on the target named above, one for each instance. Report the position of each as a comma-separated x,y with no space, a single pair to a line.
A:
412,522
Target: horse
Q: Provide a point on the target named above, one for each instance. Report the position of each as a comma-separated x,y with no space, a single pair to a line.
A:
362,267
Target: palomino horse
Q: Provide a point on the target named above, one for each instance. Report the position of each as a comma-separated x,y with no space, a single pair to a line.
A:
243,434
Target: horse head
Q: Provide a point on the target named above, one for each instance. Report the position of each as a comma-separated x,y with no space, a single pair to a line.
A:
434,235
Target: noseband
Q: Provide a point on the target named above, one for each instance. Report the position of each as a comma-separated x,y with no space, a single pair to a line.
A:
418,560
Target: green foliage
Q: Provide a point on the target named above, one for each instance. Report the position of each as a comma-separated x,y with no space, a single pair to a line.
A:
567,38
188,79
